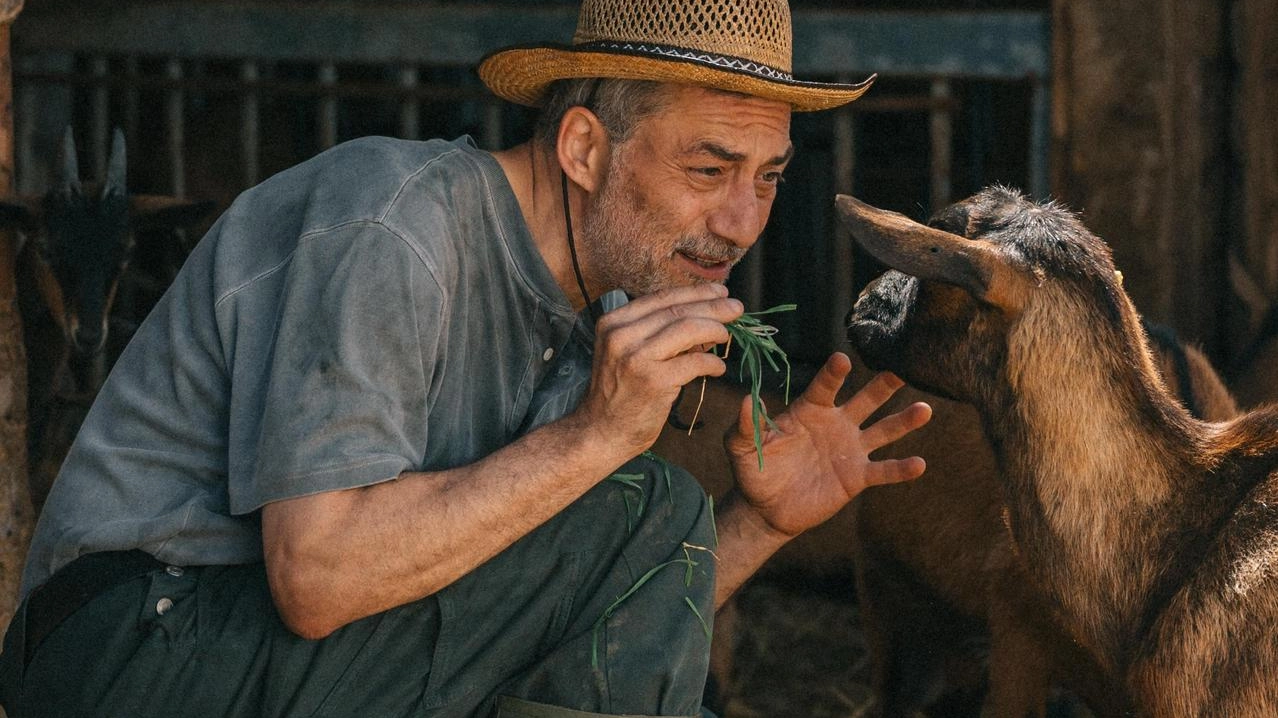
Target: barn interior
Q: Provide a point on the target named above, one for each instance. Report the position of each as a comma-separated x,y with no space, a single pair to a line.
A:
1156,120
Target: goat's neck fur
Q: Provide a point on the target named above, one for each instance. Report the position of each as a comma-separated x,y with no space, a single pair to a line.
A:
1091,447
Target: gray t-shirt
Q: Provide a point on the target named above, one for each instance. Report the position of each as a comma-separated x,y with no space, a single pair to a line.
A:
377,309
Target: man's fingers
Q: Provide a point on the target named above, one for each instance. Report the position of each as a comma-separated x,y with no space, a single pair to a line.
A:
893,427
827,383
873,395
674,301
893,471
689,366
744,433
671,329
684,336
671,296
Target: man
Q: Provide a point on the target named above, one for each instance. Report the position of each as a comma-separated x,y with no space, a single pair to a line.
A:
356,460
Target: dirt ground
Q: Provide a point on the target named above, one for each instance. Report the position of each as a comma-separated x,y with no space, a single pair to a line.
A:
800,654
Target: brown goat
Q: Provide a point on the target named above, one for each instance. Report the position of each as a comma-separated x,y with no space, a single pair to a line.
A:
936,573
1153,536
931,559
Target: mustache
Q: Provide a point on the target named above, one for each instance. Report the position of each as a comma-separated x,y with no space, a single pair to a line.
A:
711,248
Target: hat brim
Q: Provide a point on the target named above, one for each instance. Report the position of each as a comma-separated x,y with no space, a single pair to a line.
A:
522,74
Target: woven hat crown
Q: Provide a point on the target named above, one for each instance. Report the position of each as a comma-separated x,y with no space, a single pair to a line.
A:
754,30
742,46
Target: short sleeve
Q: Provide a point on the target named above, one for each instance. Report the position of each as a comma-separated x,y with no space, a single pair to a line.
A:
345,404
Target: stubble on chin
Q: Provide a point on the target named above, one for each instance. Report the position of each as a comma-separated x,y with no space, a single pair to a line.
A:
631,245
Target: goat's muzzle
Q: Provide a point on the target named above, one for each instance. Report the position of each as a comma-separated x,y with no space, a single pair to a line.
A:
88,339
875,323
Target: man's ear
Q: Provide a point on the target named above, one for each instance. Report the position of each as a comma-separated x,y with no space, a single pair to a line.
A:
582,148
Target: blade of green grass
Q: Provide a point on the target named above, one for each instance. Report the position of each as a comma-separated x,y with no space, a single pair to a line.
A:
755,340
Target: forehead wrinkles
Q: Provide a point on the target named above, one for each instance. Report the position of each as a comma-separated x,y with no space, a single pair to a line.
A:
737,138
695,116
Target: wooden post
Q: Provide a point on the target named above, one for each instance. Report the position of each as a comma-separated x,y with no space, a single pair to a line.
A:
16,520
1140,146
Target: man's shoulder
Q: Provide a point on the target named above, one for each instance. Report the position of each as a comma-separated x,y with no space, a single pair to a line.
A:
397,179
368,179
375,150
372,166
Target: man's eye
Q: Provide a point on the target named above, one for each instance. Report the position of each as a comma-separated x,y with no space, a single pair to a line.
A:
708,171
773,177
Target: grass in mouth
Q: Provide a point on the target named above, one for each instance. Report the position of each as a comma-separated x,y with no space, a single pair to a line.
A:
757,344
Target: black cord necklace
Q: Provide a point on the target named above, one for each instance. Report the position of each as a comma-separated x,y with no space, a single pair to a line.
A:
572,250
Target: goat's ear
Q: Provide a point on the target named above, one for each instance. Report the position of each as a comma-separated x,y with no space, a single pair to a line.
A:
930,253
117,167
67,175
151,211
22,213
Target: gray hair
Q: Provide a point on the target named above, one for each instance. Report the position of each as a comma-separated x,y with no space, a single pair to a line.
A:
619,104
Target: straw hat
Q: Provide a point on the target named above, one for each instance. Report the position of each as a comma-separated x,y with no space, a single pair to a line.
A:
737,45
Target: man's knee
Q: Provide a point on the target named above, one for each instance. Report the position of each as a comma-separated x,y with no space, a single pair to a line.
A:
676,505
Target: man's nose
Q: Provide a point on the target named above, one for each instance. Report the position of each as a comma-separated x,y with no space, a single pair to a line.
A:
740,217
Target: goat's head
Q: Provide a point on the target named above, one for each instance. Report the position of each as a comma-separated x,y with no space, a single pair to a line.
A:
992,287
80,236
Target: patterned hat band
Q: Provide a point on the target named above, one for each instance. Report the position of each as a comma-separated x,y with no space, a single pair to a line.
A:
735,64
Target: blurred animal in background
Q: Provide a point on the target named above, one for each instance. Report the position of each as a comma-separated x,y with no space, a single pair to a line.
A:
1148,534
78,240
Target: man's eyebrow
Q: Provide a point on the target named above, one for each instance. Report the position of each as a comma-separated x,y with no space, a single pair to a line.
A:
784,157
723,153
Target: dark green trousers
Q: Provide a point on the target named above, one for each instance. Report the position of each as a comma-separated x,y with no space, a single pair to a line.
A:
597,611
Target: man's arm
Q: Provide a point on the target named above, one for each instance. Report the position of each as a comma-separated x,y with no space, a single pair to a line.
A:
338,556
335,557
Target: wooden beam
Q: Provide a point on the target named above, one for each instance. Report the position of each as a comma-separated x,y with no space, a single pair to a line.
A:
993,45
16,520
